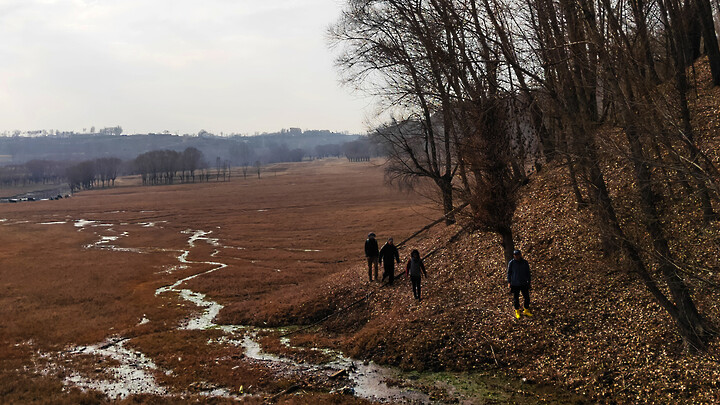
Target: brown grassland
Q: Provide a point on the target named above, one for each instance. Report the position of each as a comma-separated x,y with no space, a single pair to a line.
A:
280,235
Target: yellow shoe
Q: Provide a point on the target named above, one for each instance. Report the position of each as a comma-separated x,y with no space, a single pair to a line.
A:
517,313
527,312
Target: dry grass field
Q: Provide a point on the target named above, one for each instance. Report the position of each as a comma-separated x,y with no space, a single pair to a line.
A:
77,271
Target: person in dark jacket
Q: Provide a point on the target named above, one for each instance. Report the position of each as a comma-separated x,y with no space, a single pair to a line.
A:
372,254
518,278
388,256
416,268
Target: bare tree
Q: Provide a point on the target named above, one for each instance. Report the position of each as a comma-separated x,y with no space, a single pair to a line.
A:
191,159
81,176
385,56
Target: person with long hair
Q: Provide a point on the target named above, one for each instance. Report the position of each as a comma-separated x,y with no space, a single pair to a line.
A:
416,268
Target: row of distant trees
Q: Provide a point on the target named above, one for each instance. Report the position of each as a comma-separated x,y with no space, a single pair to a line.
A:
243,153
93,173
84,175
32,172
167,166
481,92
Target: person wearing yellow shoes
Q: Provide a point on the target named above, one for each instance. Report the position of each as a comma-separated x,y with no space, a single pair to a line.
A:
518,278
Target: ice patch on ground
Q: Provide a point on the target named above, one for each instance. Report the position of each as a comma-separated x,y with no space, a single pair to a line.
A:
368,378
80,223
173,269
133,374
205,319
150,224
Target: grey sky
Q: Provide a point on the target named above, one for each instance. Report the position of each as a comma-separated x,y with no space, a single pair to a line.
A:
179,65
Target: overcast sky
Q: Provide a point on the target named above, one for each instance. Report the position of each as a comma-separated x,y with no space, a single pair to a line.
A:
241,66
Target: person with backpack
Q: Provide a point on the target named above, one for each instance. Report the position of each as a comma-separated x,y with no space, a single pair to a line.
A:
388,256
518,278
372,254
416,268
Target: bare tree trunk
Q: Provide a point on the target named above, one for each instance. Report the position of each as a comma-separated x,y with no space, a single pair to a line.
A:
507,242
710,37
682,86
446,188
574,183
648,68
692,327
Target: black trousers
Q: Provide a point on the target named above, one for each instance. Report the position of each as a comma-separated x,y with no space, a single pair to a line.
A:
416,286
372,261
516,296
389,272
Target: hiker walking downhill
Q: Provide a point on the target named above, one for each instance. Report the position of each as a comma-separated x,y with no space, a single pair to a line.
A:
416,267
388,256
518,278
371,253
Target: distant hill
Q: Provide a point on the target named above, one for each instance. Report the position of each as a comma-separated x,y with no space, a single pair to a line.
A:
235,149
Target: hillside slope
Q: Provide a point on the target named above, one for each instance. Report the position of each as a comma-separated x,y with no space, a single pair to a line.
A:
596,329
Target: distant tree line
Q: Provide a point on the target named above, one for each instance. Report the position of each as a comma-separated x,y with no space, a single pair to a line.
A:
168,166
79,176
328,150
100,172
268,148
32,172
358,151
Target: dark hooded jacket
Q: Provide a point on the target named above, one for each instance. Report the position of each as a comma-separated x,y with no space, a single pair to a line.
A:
371,248
518,274
388,256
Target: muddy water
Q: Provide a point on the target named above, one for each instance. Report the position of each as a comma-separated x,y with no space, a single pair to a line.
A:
132,374
368,379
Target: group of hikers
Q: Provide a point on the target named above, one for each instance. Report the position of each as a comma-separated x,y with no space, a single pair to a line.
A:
387,256
518,271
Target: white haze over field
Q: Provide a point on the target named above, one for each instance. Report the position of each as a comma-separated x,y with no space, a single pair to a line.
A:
177,65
